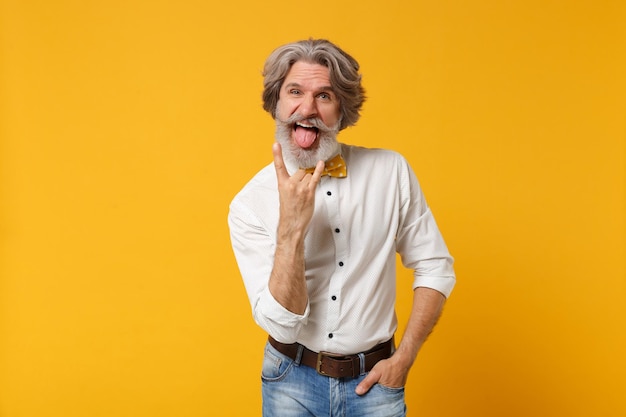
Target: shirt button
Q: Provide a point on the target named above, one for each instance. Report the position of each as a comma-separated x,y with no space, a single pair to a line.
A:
334,298
330,335
329,193
340,263
336,230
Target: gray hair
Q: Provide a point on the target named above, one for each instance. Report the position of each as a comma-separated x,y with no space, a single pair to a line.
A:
343,70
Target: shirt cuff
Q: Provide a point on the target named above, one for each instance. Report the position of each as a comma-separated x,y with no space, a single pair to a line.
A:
442,284
280,323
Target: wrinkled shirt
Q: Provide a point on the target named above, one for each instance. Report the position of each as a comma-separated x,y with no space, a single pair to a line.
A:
359,224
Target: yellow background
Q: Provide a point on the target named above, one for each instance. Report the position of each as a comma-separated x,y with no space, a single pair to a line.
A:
126,127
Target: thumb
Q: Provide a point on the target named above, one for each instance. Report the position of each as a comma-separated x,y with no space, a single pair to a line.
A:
368,382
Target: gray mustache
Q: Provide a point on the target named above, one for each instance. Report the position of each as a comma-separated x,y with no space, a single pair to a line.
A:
295,118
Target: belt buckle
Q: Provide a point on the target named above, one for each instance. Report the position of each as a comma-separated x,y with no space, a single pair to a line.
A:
320,358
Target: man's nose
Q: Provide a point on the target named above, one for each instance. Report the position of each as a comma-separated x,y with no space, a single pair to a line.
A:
308,107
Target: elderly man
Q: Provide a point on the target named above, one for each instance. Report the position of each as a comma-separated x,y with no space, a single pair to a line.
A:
315,235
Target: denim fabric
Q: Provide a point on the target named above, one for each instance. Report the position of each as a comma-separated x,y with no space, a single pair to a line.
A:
293,390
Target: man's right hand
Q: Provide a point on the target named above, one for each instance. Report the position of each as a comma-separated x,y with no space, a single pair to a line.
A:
296,194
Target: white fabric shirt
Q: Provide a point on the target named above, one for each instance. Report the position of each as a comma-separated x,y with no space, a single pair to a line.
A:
358,225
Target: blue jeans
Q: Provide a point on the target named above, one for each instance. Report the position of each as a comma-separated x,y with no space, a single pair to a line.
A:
293,390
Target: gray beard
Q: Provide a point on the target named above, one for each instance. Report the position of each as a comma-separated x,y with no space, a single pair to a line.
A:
325,148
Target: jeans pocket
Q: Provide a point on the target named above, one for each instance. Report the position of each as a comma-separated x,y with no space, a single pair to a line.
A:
275,365
390,390
382,401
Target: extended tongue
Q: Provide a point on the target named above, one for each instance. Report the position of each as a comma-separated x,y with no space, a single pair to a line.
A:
304,136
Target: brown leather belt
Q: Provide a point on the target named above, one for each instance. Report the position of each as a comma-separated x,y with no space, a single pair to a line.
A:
333,365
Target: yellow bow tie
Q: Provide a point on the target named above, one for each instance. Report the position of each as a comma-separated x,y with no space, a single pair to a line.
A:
335,167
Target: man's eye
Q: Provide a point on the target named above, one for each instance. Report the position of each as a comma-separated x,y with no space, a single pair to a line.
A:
324,96
294,92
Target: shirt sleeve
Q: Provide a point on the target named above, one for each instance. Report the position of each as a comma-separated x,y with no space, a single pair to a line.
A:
254,247
419,242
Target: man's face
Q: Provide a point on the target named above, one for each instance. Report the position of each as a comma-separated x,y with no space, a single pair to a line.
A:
308,115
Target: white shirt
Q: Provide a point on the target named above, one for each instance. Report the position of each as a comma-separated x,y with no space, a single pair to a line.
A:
358,225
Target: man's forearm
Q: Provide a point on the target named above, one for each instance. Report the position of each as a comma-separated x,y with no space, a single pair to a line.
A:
427,307
287,281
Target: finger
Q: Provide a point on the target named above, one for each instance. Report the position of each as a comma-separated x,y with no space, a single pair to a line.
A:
317,174
367,383
279,164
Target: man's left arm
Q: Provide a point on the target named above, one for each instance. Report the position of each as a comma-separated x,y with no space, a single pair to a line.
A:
393,372
423,250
